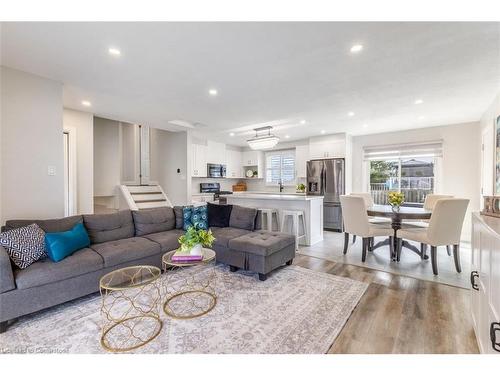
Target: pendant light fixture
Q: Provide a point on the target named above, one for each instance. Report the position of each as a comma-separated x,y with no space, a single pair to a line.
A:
263,141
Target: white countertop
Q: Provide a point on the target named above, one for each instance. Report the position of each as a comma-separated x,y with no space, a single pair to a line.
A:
275,196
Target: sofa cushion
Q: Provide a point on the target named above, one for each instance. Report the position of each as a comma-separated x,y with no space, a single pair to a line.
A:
48,226
168,240
24,245
243,217
45,271
125,250
262,242
219,214
153,220
224,235
179,216
62,244
109,227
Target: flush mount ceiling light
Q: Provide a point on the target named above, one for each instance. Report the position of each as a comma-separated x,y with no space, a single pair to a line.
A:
231,134
114,51
86,103
419,101
323,132
263,141
350,114
356,48
302,122
212,92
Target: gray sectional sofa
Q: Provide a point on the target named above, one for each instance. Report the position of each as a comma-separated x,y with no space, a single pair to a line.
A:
123,239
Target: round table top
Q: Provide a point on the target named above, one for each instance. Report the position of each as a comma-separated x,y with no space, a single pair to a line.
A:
208,255
417,213
129,277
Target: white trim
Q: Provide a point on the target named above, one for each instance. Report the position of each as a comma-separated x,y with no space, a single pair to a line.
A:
72,170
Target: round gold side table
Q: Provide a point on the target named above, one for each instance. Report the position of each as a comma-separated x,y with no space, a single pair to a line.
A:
130,309
189,287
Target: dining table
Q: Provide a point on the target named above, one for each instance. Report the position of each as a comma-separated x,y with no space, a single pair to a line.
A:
397,216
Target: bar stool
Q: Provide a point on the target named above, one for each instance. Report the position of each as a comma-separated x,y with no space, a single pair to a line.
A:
295,216
269,213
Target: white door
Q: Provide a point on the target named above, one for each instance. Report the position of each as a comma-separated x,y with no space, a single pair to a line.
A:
145,159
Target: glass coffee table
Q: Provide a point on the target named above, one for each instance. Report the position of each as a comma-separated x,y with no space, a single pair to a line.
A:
189,287
130,309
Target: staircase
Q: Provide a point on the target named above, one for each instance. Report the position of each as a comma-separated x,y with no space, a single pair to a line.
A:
139,197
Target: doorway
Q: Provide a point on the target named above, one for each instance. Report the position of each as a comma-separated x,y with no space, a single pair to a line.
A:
69,149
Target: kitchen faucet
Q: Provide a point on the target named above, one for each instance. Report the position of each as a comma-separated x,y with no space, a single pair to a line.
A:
280,183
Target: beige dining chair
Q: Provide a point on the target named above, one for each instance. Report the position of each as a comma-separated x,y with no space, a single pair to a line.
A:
367,197
445,227
356,223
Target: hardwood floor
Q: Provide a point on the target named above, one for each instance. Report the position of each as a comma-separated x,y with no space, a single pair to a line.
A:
400,314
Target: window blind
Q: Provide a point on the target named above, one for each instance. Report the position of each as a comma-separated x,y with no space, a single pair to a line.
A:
280,166
404,150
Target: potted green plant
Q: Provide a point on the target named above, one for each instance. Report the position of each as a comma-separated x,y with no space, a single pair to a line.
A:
301,188
395,199
194,240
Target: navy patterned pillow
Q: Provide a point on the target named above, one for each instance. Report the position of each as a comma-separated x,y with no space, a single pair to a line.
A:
195,216
24,245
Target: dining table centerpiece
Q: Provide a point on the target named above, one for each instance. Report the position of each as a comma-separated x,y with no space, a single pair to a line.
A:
395,199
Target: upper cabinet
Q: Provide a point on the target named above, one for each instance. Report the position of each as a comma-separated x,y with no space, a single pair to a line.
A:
328,146
198,160
216,153
234,168
301,158
250,158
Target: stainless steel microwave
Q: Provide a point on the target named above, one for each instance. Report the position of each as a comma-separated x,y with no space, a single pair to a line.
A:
216,170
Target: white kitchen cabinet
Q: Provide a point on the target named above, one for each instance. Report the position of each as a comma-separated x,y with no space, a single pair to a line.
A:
485,282
216,153
234,169
250,158
326,147
198,160
301,158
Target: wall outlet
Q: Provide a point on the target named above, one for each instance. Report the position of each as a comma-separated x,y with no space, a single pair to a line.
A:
51,170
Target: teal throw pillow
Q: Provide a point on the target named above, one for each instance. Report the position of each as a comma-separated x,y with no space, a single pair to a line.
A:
59,245
195,216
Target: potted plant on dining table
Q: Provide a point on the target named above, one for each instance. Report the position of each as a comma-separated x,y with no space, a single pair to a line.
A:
396,200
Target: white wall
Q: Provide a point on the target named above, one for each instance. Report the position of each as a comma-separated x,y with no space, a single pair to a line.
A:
32,140
169,152
460,168
107,157
81,126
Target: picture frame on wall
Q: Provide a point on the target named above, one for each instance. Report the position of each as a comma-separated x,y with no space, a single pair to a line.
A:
497,156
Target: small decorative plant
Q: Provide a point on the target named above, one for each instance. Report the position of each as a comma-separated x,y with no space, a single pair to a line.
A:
395,199
301,188
194,239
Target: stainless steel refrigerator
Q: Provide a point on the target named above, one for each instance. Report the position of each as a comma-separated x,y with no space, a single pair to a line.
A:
327,178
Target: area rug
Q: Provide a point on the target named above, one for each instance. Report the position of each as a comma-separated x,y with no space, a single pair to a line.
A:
296,310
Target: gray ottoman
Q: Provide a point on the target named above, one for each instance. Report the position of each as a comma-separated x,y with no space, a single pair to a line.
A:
262,251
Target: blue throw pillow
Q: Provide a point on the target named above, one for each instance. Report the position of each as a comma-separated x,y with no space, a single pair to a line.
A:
199,217
195,216
59,245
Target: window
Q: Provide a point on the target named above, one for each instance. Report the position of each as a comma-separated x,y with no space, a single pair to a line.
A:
410,169
280,166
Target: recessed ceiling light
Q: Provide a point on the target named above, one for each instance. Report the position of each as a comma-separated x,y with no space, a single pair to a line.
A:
231,134
287,136
365,125
350,114
212,92
86,103
323,132
114,51
419,101
421,117
356,48
302,122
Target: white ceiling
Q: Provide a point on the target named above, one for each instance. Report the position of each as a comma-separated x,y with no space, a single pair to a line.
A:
277,73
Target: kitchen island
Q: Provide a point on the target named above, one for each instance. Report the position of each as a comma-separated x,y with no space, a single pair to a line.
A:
311,205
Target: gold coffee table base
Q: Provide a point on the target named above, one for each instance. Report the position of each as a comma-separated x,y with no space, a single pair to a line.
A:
141,342
189,315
